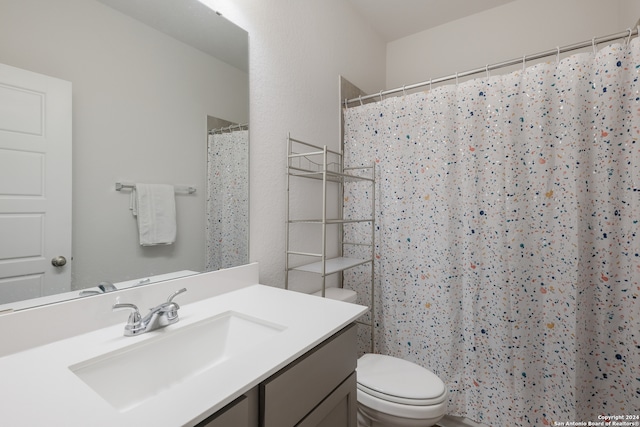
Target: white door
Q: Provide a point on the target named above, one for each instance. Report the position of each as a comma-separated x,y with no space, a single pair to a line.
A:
35,184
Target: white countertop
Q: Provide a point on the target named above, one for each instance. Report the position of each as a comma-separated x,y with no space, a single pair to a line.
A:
39,388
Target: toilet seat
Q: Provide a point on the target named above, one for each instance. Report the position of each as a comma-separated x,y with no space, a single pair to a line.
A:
402,400
376,408
399,381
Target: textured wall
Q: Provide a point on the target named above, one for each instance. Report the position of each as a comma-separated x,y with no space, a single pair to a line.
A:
297,51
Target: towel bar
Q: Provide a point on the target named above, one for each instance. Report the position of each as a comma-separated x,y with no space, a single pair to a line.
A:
178,188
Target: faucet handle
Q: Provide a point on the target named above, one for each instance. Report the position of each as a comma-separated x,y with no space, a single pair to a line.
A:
121,305
176,293
170,308
135,320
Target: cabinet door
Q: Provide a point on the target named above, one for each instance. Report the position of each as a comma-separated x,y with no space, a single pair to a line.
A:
235,414
338,409
288,396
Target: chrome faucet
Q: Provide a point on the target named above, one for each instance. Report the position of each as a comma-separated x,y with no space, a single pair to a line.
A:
158,317
103,288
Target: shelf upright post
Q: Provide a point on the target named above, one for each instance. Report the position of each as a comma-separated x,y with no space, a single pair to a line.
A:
286,223
341,214
373,253
324,220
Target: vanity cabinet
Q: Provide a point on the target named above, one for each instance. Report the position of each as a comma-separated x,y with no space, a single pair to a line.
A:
316,390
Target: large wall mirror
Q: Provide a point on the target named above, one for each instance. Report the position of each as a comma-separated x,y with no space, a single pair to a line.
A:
149,78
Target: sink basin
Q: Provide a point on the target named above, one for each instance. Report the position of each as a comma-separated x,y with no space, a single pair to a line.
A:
127,377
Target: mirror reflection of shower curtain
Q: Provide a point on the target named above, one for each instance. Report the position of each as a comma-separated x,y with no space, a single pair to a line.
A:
227,200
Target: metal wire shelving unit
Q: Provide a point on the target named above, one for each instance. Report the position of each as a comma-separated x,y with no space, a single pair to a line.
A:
309,161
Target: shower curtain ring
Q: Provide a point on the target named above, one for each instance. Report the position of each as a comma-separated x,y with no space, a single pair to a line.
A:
594,45
360,98
404,92
456,78
524,62
430,80
558,55
486,67
629,36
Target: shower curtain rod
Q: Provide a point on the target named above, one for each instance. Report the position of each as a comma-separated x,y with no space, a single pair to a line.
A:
557,51
229,128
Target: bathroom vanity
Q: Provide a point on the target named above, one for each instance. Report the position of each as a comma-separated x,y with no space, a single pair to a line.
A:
242,354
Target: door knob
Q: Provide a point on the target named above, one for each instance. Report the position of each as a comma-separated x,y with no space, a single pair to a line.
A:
58,261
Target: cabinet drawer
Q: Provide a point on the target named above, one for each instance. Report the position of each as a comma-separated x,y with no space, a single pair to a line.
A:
293,392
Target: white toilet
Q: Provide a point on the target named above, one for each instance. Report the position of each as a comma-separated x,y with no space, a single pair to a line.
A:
393,392
397,393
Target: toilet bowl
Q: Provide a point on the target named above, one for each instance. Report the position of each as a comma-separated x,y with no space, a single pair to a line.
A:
397,393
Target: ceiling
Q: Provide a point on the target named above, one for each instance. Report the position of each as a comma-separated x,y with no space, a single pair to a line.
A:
394,19
193,23
391,19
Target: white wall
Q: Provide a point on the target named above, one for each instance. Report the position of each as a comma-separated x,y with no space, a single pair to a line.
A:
140,105
510,31
297,50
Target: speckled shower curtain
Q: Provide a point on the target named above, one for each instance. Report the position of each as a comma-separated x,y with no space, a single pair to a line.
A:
507,247
227,232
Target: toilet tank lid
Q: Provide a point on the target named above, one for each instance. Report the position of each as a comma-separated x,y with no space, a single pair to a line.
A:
400,378
340,294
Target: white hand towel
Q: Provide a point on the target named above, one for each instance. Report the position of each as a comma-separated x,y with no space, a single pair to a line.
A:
154,206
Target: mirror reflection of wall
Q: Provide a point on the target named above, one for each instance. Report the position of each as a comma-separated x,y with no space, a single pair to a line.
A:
140,103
